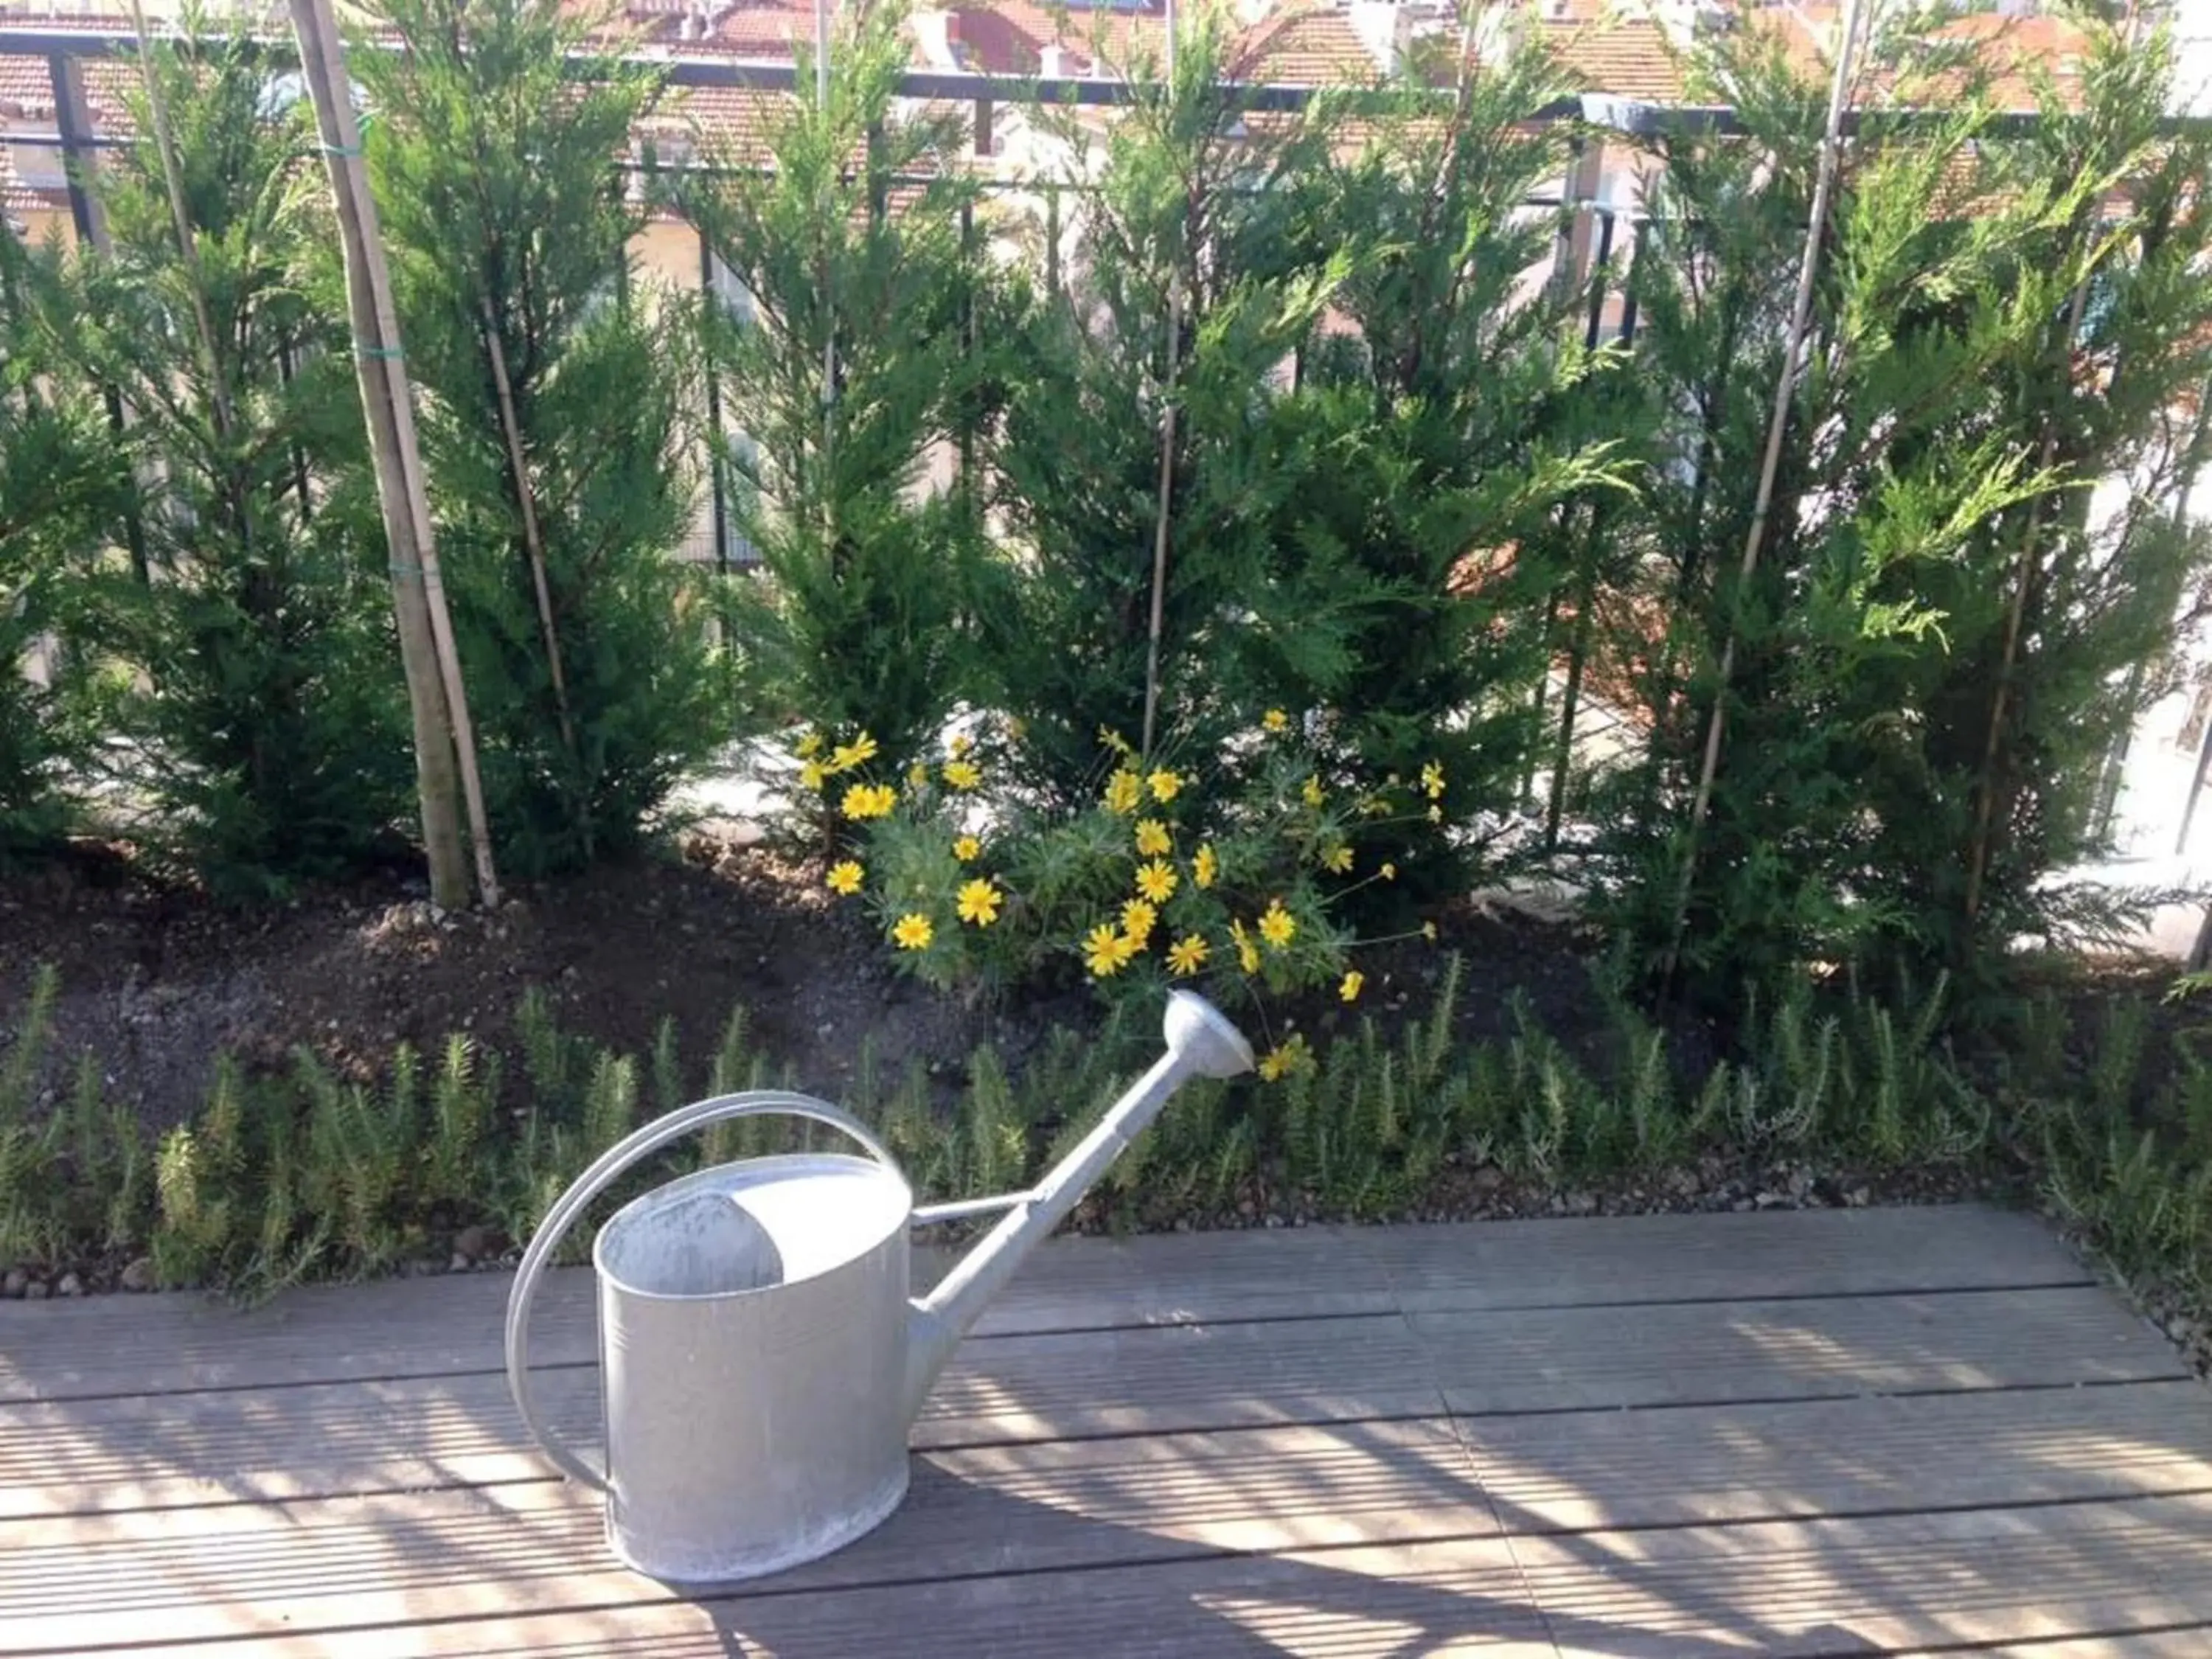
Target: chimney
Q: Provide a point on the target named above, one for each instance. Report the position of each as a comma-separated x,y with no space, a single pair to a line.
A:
938,33
1052,61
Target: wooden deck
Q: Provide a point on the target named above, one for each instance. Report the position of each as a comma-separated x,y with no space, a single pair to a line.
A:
1830,1432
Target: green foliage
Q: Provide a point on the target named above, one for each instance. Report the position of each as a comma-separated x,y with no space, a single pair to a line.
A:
1911,737
510,235
257,689
862,617
1452,426
1188,213
58,491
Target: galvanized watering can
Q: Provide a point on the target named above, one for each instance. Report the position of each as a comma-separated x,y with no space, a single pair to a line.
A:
760,1360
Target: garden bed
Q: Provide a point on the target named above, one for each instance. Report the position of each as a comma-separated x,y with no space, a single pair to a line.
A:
157,978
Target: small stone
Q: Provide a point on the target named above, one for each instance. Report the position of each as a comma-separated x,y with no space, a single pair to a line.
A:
459,1264
1858,1198
71,1285
1772,1201
2182,1329
12,1286
37,1290
474,1243
1743,1206
139,1275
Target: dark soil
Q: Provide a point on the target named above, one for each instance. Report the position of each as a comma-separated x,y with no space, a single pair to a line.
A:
157,979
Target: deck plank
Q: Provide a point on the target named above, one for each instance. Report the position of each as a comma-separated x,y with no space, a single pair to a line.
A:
1876,1585
451,1324
330,1439
1705,1353
535,1546
1615,1469
1442,1599
1567,1262
1882,1585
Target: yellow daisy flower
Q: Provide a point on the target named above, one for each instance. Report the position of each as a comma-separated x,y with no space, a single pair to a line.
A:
1157,880
1123,791
916,775
814,774
966,848
1291,1055
912,932
1350,989
1152,837
845,877
1429,931
1186,956
1436,815
1205,867
1113,739
1337,859
1247,954
1165,785
1433,780
961,743
846,755
979,902
1105,951
1275,720
1312,792
1276,926
1137,919
808,747
962,775
1390,872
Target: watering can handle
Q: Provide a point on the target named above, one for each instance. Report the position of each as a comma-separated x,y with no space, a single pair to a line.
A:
602,1173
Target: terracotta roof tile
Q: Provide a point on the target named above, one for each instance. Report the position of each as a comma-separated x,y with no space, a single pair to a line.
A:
1631,59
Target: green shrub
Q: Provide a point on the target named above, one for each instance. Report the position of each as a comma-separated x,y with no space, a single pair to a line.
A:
58,492
1190,285
862,615
259,692
510,233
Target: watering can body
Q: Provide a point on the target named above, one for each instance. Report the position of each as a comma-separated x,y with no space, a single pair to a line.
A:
762,1358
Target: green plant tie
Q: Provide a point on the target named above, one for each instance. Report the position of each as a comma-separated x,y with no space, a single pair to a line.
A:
378,354
343,152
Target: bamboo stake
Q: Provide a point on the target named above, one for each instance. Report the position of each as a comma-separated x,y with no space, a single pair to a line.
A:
1158,619
526,498
444,740
1799,317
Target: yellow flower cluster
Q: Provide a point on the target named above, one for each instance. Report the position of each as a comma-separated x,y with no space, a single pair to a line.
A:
962,775
1124,790
868,801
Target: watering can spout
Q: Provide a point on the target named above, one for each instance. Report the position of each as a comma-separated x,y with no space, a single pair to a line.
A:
1202,1042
